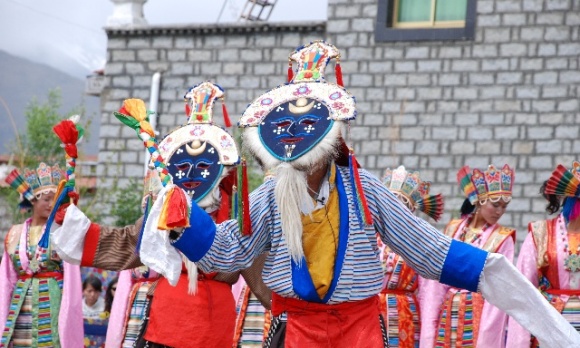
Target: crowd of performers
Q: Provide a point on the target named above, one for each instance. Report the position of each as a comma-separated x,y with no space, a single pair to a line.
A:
321,254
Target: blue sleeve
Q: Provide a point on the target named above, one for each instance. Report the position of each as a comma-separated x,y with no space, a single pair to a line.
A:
196,240
463,266
429,252
222,247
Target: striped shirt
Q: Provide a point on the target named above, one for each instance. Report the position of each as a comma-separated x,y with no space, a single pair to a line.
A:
419,243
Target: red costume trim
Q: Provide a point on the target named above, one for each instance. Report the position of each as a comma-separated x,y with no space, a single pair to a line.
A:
55,275
91,244
552,253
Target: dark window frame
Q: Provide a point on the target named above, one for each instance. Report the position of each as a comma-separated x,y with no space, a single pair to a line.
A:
384,31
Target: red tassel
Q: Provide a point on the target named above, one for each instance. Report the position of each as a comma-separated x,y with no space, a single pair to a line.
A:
359,188
177,214
223,212
227,121
247,225
74,197
187,110
290,71
338,71
68,134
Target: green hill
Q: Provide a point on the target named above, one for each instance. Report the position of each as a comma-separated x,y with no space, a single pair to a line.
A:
22,80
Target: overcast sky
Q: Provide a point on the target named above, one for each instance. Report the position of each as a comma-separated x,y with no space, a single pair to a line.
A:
68,34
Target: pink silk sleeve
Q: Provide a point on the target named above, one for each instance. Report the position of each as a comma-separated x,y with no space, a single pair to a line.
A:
431,296
493,320
117,320
517,336
8,279
237,288
70,318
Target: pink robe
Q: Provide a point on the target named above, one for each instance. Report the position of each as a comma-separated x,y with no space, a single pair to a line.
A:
70,319
551,244
432,296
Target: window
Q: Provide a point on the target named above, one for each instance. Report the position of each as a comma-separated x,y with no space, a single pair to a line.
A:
413,20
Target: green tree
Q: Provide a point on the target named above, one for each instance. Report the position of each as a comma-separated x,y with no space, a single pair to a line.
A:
126,203
35,144
38,143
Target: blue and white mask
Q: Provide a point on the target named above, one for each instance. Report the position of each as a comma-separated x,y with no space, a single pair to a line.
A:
293,128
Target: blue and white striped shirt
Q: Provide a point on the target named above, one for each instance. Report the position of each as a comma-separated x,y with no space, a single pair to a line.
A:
419,243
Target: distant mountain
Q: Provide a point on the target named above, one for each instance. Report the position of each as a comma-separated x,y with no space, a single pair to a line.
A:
22,80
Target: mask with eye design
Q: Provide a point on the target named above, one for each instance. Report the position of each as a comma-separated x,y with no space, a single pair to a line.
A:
300,122
199,154
196,168
293,128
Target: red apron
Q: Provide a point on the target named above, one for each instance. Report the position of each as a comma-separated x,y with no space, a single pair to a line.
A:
349,324
180,320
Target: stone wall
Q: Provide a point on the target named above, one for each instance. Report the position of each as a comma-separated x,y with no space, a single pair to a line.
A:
244,60
509,96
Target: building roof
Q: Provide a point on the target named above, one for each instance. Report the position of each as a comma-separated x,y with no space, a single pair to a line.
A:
230,28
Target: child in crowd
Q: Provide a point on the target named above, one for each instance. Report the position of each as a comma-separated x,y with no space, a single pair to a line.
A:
93,303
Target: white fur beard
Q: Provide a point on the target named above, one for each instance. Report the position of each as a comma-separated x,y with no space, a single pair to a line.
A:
291,190
191,275
293,200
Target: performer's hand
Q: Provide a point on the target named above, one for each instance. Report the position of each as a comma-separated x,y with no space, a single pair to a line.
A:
60,213
74,196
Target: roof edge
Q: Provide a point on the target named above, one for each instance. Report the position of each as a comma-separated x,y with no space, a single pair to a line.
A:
225,28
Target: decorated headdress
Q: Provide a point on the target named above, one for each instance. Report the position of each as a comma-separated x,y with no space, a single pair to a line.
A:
295,117
492,184
564,182
414,192
35,182
295,127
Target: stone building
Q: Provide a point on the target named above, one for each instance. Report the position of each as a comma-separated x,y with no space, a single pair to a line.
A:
502,88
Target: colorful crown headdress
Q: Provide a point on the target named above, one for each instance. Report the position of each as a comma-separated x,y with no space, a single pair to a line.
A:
491,184
37,181
17,182
309,82
414,192
564,182
199,103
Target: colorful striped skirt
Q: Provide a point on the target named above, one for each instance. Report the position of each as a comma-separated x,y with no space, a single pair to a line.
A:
253,321
33,315
136,315
401,312
459,319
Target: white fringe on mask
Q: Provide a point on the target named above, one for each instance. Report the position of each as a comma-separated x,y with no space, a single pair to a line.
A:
293,200
191,275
